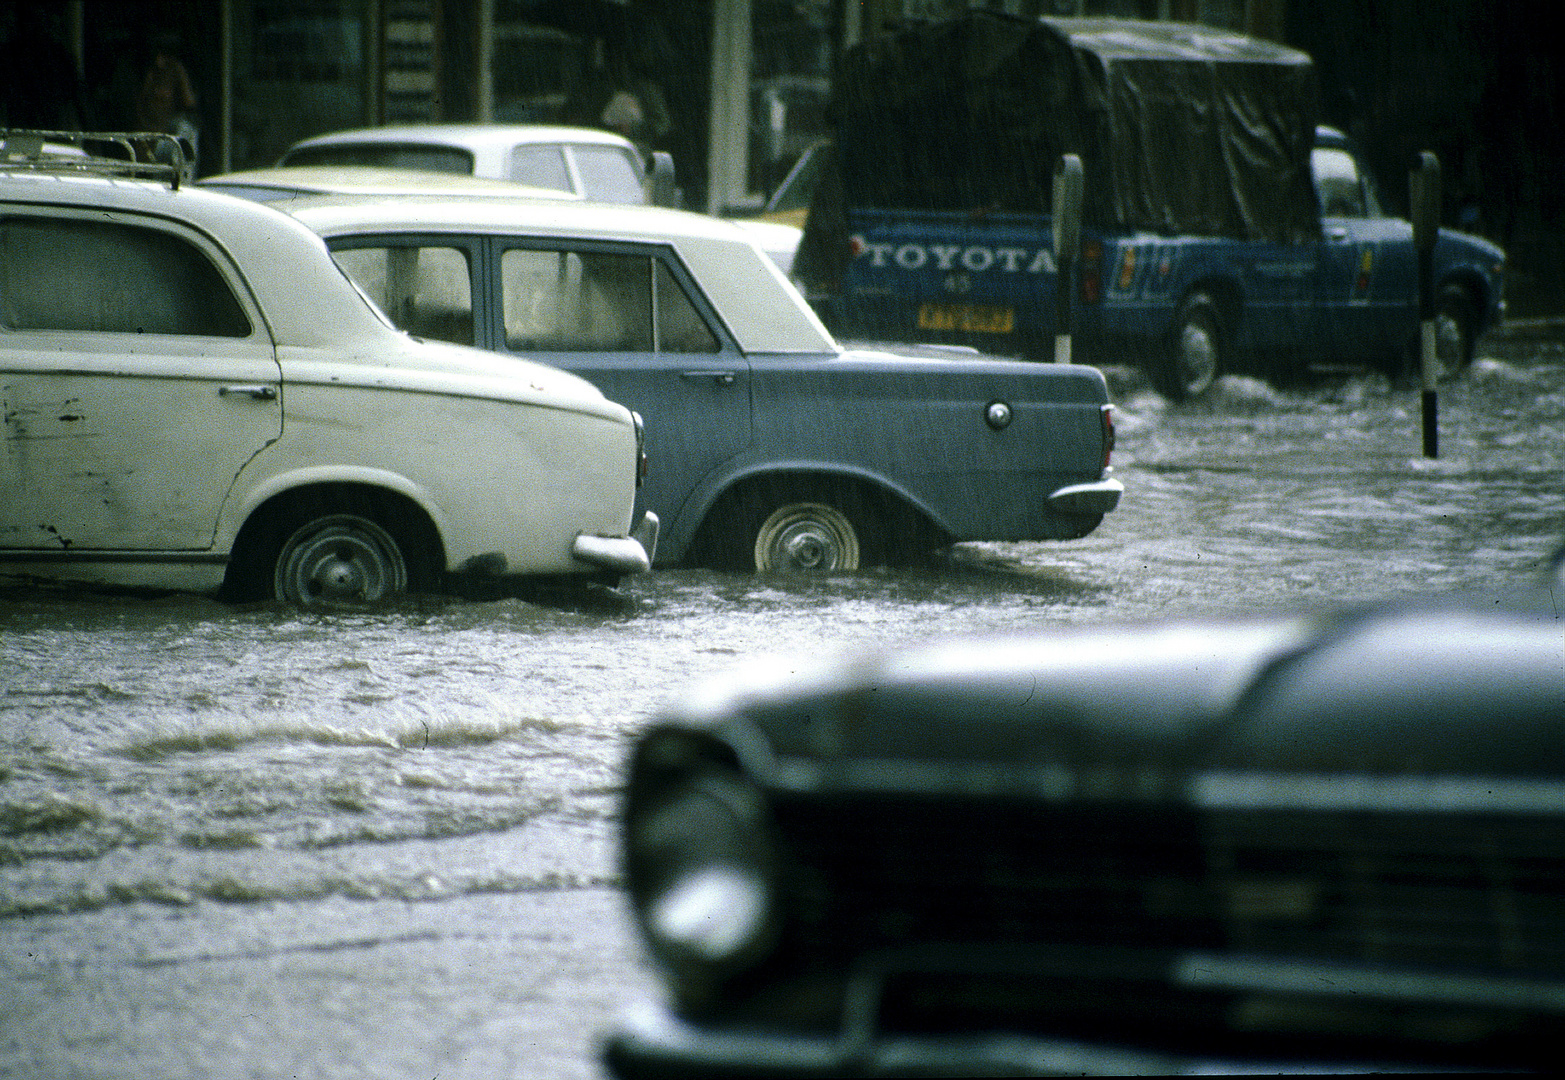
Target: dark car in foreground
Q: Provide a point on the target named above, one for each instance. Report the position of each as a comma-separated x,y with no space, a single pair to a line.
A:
1318,842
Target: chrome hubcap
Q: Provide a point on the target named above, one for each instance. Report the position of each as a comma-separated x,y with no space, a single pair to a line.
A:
807,536
1448,345
337,561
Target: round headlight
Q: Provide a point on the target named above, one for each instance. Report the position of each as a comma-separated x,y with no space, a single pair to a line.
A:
713,912
699,868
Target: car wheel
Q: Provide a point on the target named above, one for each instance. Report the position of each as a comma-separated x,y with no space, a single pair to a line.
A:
1454,322
806,536
339,560
1192,359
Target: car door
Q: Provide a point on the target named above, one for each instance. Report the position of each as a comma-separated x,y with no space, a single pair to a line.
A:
138,380
629,319
1367,274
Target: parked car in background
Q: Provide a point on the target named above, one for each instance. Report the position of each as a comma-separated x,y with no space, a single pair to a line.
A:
1308,842
771,447
196,397
596,165
587,162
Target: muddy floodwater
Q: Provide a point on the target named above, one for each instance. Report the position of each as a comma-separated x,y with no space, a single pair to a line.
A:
251,843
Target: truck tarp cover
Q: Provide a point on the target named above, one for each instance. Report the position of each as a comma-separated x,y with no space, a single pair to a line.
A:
1182,129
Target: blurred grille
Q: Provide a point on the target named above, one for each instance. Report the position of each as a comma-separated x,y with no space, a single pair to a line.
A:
1485,893
1399,889
877,873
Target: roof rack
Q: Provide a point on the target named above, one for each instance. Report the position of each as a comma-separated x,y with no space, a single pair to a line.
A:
154,155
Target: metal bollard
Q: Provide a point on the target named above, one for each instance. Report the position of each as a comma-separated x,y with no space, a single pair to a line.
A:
1068,188
1424,200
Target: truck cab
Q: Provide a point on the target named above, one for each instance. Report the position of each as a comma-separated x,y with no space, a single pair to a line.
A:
1223,230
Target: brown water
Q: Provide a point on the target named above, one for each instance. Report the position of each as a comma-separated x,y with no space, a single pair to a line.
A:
254,843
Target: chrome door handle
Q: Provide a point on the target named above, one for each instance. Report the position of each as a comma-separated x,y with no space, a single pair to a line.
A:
259,391
722,378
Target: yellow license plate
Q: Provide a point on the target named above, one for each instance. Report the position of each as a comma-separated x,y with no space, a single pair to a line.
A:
975,318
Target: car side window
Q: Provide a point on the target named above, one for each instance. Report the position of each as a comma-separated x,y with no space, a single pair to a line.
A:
540,165
608,174
680,326
592,301
124,279
426,291
1338,185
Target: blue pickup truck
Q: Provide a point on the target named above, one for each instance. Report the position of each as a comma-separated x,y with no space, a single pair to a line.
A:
1223,229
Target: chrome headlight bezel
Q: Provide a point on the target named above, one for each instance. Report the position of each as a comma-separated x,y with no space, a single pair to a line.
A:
700,868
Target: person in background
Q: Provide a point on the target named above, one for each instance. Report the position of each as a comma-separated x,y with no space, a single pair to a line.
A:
166,101
619,98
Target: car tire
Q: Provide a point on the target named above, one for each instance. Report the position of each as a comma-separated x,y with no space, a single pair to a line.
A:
340,549
341,560
1192,357
784,528
810,536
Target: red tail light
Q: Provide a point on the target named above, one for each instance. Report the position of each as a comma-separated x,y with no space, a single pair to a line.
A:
1090,272
641,447
1107,412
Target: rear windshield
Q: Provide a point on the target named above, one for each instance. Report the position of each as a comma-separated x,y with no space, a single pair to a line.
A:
446,159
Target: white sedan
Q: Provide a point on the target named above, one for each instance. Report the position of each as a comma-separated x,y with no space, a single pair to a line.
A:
599,166
587,162
211,405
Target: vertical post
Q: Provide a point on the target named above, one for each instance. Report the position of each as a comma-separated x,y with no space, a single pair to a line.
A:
727,164
483,107
374,64
225,87
1424,199
1068,186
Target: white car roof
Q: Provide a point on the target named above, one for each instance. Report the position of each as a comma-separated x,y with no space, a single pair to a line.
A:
761,308
307,302
484,140
303,180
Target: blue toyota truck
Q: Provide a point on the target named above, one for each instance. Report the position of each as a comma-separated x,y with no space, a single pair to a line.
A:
1223,230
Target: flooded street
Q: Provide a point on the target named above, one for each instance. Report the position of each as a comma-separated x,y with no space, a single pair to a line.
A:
251,843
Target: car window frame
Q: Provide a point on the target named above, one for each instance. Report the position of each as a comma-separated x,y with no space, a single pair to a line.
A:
485,251
459,240
578,176
561,152
1368,197
664,252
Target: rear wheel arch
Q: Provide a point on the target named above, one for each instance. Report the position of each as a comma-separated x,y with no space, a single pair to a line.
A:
269,528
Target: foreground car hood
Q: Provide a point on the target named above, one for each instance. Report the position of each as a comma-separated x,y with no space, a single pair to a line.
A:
1197,712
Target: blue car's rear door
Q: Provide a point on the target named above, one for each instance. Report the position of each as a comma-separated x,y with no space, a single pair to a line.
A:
629,319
